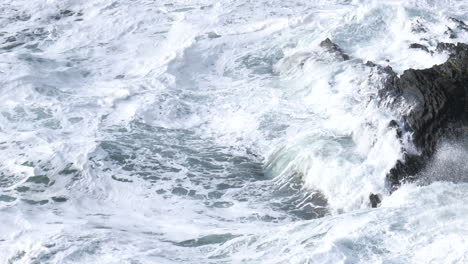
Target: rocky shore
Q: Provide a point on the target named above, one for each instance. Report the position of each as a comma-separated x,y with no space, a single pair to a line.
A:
439,106
438,99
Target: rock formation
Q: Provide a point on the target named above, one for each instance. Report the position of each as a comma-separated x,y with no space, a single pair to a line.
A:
437,101
334,49
419,46
439,104
375,200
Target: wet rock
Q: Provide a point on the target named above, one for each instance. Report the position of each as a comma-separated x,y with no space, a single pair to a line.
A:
439,99
418,46
394,124
405,170
334,49
418,27
451,33
370,64
374,200
448,47
381,69
460,24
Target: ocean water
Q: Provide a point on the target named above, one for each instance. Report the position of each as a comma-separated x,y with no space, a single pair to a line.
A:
142,131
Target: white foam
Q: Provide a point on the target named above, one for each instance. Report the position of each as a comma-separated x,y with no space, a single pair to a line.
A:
193,96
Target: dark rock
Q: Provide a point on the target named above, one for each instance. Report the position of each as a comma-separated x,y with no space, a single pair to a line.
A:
418,27
374,200
370,64
380,69
451,33
460,24
449,47
394,124
418,46
405,170
334,49
438,97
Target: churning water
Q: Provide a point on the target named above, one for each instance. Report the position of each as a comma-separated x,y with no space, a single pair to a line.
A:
157,131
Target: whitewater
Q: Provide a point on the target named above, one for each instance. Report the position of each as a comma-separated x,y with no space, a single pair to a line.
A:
144,131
